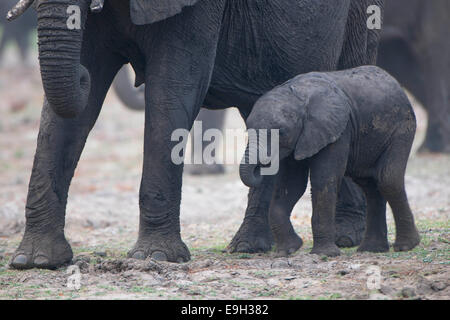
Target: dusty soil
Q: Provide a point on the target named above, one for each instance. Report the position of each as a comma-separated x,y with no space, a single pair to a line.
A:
102,224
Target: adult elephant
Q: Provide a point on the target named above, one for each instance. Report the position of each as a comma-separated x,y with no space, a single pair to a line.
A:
415,49
189,53
18,31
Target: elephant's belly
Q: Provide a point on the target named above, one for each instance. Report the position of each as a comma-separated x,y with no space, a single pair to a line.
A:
265,43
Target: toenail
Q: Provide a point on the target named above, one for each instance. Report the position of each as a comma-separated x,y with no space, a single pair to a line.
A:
20,260
139,255
159,256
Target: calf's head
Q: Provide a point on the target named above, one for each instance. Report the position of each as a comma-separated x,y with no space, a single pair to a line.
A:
308,116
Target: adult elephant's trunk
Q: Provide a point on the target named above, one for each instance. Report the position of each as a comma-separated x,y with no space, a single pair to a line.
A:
60,31
250,168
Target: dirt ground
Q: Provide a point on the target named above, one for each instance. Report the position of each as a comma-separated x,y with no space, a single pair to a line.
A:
102,224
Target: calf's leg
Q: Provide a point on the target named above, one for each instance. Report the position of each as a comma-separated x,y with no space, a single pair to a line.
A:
290,187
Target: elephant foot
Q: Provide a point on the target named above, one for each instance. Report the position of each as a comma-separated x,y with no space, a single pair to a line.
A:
350,227
254,236
204,169
168,248
328,249
435,144
407,243
375,246
291,245
43,251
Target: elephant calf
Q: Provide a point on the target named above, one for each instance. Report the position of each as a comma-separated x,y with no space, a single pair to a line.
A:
357,123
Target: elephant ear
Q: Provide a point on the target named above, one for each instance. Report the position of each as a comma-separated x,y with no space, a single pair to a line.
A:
151,11
326,118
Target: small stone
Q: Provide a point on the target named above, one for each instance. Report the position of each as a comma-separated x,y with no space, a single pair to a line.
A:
100,254
408,292
343,272
280,264
355,266
438,286
386,290
378,296
128,274
82,257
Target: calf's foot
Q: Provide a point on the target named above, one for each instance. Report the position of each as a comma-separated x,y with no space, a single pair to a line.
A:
161,247
406,243
374,245
350,227
42,250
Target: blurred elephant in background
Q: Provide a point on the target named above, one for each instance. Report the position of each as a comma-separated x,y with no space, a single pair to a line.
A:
189,53
17,31
415,48
134,99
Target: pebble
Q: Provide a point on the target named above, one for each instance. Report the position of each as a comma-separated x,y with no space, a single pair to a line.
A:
408,292
386,290
100,254
343,272
280,264
355,266
378,296
438,286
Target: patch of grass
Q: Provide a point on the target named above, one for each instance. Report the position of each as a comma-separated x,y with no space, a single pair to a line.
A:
268,293
141,289
327,296
265,274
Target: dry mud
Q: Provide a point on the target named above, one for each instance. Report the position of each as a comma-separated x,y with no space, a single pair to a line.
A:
102,224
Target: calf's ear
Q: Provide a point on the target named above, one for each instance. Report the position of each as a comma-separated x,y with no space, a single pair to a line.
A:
151,11
326,118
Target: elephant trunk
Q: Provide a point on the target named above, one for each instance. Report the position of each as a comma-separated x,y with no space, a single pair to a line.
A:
66,82
250,168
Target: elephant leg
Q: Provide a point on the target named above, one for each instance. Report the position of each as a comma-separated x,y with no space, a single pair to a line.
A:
23,44
375,237
350,214
3,42
391,183
178,73
290,187
59,146
327,169
437,104
434,62
210,119
254,234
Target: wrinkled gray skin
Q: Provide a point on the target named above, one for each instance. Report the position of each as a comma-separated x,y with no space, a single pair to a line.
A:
17,31
356,123
215,53
415,49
